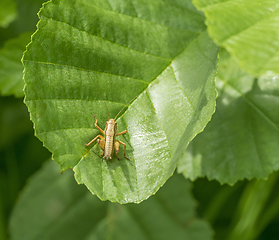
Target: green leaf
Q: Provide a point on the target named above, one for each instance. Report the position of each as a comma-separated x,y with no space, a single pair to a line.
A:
242,139
167,215
11,68
252,212
8,12
53,207
248,29
157,53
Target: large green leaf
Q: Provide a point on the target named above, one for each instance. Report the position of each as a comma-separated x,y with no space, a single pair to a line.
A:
100,53
242,139
248,29
53,207
11,69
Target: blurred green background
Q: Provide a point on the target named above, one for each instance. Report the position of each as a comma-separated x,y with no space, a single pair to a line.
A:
21,153
247,210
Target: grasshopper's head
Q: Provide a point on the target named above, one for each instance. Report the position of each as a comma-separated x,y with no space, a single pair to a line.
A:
111,121
111,126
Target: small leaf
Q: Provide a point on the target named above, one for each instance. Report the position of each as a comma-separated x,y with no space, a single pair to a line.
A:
242,139
53,207
11,69
157,53
248,29
8,12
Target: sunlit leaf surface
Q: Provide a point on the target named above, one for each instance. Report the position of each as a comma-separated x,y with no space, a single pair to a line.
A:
248,29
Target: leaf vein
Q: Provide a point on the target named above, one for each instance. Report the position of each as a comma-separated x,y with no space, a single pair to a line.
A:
194,110
88,70
106,40
251,104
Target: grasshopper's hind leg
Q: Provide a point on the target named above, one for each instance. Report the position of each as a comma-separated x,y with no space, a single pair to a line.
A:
116,145
101,143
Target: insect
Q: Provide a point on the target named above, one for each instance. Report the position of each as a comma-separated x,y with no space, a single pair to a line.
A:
108,143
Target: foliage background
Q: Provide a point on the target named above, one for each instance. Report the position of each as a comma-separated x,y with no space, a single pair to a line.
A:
246,210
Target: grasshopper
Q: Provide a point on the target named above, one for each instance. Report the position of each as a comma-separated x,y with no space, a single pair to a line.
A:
108,142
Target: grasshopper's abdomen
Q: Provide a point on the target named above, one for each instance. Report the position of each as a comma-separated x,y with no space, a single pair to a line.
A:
110,132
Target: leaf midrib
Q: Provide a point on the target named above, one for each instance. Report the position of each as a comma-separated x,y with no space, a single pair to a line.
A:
258,110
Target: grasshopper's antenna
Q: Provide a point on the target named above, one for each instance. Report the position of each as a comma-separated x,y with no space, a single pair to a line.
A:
125,106
100,93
